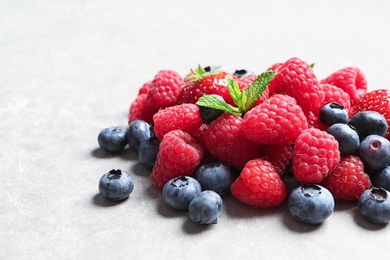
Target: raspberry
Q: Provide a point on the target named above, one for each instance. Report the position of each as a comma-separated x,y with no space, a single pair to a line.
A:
275,66
295,78
376,100
278,120
335,94
259,185
145,88
185,117
179,155
315,155
348,180
245,81
279,155
226,141
139,110
349,79
164,90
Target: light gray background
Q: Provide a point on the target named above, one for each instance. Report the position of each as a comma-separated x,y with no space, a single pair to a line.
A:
69,68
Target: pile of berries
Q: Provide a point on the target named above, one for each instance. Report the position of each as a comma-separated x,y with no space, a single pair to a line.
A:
282,135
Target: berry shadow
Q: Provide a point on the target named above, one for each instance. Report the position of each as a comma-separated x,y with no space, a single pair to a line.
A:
140,170
239,210
125,154
100,201
360,221
297,226
191,228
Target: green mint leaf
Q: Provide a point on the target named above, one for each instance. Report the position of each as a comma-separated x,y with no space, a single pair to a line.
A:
234,91
214,102
312,65
256,89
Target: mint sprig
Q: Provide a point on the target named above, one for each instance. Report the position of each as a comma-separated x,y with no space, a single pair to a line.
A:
242,99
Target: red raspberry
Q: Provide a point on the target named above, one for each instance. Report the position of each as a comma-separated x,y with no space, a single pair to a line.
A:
179,155
185,117
348,181
314,121
139,110
295,78
351,80
145,88
198,135
226,141
259,185
334,94
278,120
375,100
315,155
279,155
164,90
245,81
275,66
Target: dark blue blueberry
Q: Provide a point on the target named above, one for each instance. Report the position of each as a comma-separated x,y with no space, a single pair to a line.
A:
116,185
382,178
138,131
147,152
374,151
210,114
206,208
112,139
333,113
346,136
215,176
311,204
211,68
241,73
374,205
290,181
178,192
369,123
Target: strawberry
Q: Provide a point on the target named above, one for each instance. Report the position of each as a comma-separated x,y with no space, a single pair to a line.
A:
200,82
375,100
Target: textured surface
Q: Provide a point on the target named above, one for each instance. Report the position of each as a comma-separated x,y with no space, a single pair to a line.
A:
71,68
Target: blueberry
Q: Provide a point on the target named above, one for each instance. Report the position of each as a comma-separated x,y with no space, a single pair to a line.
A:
138,131
382,178
374,205
147,152
290,181
369,123
374,151
333,113
241,73
311,204
346,136
116,185
178,192
211,68
112,139
206,207
215,176
210,114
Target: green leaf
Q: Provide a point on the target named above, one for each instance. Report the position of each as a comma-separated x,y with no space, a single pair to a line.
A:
214,102
312,65
234,91
256,89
